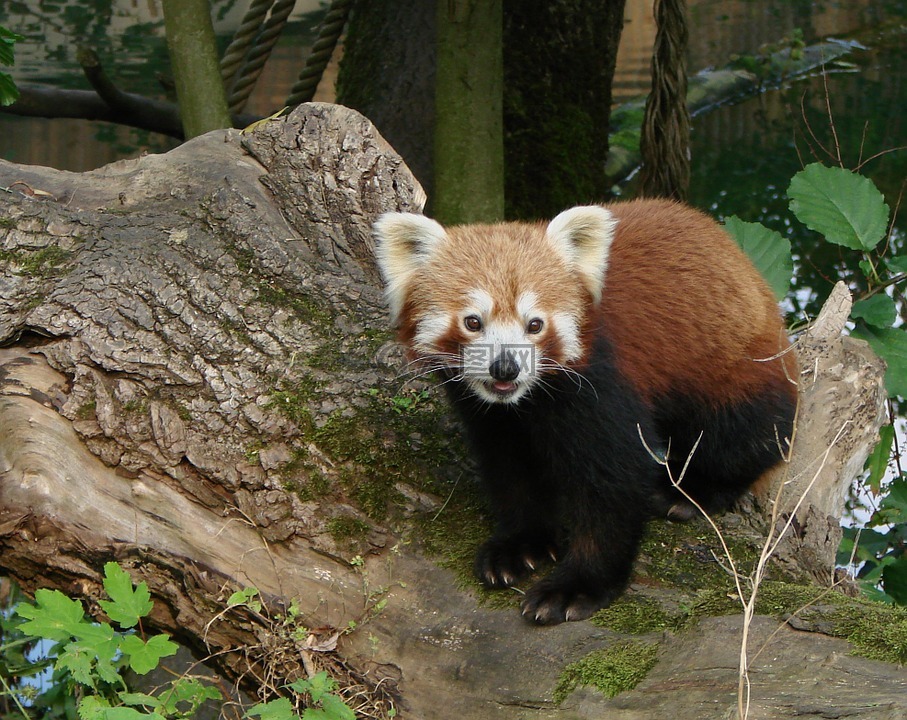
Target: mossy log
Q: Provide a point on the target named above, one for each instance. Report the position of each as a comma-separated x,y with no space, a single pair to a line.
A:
197,380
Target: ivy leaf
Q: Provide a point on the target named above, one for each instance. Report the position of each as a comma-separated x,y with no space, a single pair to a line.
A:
877,462
891,345
846,208
280,709
768,250
126,605
878,311
145,656
53,616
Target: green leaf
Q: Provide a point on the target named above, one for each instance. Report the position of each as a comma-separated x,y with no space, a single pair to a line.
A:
768,250
79,661
878,310
897,264
894,580
53,616
844,207
187,691
316,686
280,709
891,345
145,656
336,709
126,605
893,508
870,545
7,40
877,462
9,93
92,706
135,698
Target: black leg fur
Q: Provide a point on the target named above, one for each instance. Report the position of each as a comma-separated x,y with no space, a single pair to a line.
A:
739,443
570,455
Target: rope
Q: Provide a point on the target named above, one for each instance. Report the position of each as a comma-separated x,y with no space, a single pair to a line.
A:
242,39
665,141
264,43
328,35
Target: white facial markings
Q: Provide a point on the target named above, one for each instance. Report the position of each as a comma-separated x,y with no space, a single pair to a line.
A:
527,306
568,332
429,330
481,304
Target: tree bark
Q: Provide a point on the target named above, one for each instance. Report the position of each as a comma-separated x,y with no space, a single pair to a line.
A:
197,380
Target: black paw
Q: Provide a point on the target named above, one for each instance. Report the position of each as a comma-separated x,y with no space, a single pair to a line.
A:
556,599
502,561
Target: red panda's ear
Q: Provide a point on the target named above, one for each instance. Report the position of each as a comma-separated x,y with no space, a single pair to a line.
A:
404,242
583,235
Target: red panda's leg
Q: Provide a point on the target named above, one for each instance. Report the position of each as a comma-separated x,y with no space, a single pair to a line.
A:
605,481
739,442
520,500
525,520
597,564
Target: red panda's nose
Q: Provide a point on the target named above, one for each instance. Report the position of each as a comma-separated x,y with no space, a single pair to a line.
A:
504,368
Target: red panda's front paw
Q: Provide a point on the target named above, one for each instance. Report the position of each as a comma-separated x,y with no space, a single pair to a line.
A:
555,599
503,561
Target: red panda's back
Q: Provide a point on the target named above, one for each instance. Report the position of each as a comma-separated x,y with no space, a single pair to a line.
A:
686,310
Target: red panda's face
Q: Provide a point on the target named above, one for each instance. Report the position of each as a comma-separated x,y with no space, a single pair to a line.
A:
499,306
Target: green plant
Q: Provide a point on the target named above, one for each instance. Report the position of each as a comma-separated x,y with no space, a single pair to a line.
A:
847,210
8,91
325,705
87,659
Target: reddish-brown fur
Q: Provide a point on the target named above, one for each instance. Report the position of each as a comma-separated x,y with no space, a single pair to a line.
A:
671,310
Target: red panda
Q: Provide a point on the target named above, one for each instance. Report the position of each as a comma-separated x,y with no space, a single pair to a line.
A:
564,347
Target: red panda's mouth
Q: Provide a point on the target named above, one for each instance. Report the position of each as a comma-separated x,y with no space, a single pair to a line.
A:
502,387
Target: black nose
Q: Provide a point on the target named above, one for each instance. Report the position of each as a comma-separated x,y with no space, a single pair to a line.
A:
505,368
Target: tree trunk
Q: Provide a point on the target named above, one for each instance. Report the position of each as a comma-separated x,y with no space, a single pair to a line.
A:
468,140
196,72
558,60
197,381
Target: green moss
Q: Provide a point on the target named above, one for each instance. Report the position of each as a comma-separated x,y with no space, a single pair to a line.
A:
137,406
292,401
86,411
683,555
611,671
346,529
635,615
45,262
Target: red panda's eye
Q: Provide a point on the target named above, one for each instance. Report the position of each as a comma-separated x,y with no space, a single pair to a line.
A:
473,323
534,326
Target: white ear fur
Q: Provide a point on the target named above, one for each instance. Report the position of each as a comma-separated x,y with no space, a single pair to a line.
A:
583,235
404,242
